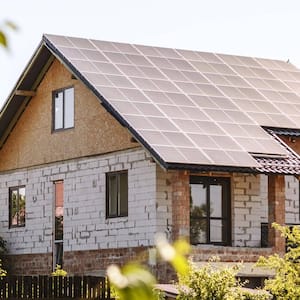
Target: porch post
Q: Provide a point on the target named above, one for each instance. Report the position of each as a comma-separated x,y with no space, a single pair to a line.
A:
276,211
181,205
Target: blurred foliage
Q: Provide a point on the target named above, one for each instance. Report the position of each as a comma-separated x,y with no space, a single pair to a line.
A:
4,28
59,271
134,282
286,283
2,271
215,283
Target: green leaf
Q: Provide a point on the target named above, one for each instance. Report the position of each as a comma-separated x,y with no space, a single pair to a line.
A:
3,40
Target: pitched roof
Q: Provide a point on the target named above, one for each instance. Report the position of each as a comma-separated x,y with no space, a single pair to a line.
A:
190,109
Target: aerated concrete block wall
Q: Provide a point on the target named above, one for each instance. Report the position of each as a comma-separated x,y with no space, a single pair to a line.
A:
85,223
250,206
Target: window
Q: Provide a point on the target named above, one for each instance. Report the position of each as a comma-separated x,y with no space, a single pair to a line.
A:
63,109
210,210
59,223
17,200
117,194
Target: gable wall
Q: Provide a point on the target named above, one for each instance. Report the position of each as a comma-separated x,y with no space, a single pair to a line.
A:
32,143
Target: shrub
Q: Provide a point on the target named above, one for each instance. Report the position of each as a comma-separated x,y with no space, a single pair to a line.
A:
211,283
286,283
59,271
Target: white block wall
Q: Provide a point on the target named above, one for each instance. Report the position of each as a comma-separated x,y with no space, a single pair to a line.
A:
248,211
85,225
292,200
250,206
164,202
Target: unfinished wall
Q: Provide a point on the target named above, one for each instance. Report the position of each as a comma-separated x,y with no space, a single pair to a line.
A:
85,224
164,201
248,210
251,206
291,202
32,142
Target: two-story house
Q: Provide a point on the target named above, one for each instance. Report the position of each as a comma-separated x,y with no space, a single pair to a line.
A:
103,144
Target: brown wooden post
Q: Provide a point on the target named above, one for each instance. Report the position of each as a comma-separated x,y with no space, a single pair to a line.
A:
181,205
276,211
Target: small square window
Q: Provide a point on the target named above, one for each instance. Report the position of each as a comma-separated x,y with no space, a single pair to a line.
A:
63,109
17,201
117,194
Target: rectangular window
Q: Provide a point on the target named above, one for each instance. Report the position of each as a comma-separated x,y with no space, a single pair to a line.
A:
63,109
17,201
59,223
117,194
210,216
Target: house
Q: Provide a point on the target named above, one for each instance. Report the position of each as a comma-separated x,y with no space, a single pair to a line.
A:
103,144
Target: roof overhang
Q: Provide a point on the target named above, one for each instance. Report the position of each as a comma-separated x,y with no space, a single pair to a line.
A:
24,90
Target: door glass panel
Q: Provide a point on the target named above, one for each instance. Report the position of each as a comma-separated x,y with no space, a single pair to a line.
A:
59,250
198,200
198,231
216,201
59,211
216,229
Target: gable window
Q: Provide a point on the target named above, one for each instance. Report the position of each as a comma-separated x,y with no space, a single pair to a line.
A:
210,217
17,201
63,109
117,194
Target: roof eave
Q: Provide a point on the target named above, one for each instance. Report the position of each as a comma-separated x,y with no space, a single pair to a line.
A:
28,81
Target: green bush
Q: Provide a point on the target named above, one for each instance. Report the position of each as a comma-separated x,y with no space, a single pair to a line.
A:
286,283
59,271
210,283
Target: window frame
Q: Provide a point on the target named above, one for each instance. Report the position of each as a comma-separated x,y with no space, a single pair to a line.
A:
58,243
10,216
108,192
54,93
226,215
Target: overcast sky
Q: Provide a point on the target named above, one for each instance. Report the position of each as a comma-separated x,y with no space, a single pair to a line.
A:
261,28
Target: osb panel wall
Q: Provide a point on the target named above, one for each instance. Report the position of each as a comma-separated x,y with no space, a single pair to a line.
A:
32,142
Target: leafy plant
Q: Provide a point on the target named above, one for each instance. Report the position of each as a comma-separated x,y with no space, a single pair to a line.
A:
59,271
3,272
286,283
3,32
211,283
134,282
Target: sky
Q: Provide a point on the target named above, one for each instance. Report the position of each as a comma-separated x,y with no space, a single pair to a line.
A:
259,28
